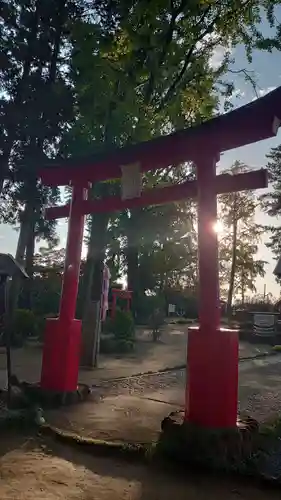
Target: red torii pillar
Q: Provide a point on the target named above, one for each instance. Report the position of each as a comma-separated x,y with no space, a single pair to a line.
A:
61,353
212,390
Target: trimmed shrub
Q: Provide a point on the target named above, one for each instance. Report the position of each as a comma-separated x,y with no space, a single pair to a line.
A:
123,326
118,333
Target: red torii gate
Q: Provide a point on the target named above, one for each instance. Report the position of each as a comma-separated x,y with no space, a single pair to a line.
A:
211,396
122,294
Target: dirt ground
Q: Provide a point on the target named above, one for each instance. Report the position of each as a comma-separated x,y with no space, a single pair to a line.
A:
46,471
130,409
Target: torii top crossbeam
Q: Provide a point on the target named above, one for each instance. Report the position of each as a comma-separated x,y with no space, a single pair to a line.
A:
253,122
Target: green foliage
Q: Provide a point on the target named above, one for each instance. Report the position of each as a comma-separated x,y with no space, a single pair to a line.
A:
36,104
123,326
47,281
23,325
123,330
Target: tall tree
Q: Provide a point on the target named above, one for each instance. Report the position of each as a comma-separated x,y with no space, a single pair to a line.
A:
36,103
239,239
271,202
141,70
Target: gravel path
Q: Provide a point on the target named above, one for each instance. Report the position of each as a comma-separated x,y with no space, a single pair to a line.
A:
132,409
260,386
139,386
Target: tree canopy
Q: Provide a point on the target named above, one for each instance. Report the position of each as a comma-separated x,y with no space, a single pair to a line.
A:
80,76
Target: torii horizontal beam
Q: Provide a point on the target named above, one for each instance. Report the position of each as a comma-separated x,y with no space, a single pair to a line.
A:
226,183
248,124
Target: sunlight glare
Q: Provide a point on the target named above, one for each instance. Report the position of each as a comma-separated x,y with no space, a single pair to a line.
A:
218,227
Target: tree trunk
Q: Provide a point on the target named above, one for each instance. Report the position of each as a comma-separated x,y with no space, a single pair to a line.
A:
2,178
20,253
92,287
132,268
233,260
132,257
61,15
242,286
93,272
29,258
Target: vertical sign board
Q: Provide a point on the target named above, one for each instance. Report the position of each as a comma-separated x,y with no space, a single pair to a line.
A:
131,181
171,309
265,324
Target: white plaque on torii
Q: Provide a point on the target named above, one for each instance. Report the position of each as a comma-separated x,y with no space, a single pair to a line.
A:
131,181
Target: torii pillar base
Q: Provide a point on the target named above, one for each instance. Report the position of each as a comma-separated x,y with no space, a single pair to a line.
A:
212,372
61,356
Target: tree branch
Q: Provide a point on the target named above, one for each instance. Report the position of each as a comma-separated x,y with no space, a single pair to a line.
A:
168,37
247,76
189,55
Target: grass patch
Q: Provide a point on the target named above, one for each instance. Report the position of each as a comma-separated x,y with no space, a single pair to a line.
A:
276,348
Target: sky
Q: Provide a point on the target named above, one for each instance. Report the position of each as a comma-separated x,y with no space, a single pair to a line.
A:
267,69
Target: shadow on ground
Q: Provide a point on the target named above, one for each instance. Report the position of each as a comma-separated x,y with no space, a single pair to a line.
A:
48,470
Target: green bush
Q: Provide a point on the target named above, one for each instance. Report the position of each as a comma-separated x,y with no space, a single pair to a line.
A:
23,325
120,332
123,326
124,345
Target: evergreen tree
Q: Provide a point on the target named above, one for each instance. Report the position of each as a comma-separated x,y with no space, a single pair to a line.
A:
271,202
239,239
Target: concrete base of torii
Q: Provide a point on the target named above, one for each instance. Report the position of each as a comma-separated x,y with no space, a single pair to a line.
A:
212,377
